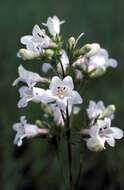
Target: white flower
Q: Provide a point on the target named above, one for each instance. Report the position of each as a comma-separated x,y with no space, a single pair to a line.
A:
36,42
27,94
102,132
98,110
95,62
26,130
64,61
28,77
53,25
100,60
62,91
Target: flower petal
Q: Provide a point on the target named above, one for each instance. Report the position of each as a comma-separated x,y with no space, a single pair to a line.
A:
112,63
100,105
117,133
68,82
25,91
56,81
95,144
23,102
37,32
94,131
111,141
75,98
26,39
48,97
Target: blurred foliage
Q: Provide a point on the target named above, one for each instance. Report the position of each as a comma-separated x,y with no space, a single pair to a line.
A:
34,165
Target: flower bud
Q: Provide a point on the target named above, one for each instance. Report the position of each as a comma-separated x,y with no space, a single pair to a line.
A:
46,108
39,123
27,54
108,111
94,48
71,42
49,53
89,49
97,72
53,45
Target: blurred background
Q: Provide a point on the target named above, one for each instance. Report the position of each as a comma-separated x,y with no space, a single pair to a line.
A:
34,166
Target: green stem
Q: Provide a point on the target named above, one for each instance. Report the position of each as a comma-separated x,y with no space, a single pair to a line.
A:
68,134
79,172
59,160
63,73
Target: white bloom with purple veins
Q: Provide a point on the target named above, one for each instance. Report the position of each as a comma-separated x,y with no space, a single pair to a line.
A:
26,130
101,60
27,95
36,42
97,110
53,25
62,92
102,133
28,77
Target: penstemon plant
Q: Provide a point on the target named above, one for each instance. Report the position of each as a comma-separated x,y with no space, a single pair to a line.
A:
67,67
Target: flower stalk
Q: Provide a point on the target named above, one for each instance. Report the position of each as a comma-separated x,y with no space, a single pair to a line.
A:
67,68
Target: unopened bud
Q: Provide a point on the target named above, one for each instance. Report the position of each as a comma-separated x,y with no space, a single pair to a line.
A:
94,48
108,111
71,42
46,108
49,52
39,123
53,45
97,72
89,49
27,54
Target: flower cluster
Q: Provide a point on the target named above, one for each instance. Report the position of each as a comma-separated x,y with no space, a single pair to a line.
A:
65,67
100,130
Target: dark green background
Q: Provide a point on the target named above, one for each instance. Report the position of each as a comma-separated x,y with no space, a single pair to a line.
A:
34,166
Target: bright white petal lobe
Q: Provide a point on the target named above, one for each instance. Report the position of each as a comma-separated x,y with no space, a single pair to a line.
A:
68,82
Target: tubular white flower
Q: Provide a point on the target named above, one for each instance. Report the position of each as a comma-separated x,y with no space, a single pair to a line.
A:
28,77
26,130
101,60
98,110
53,25
62,91
36,42
95,62
102,132
27,94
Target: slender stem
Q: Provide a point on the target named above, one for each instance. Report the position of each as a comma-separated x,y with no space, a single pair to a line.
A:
63,73
59,160
69,149
70,163
79,172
